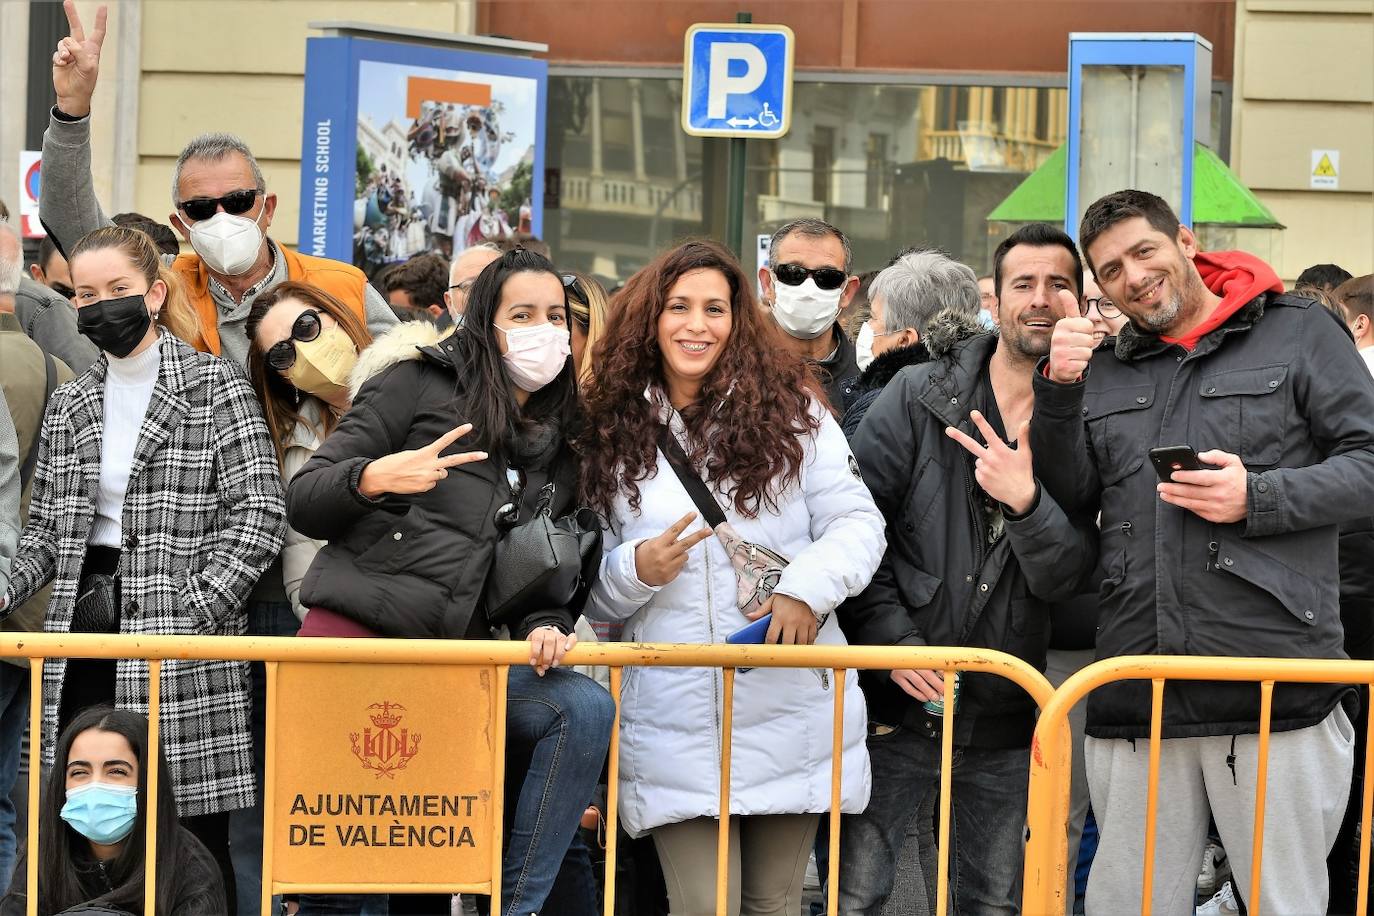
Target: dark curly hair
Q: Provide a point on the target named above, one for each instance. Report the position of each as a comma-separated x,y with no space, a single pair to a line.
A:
744,428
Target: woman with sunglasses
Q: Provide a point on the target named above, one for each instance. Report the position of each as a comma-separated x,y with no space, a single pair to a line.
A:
412,526
156,507
587,308
691,360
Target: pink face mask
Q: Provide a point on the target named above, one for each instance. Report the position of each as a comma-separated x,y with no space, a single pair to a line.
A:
534,356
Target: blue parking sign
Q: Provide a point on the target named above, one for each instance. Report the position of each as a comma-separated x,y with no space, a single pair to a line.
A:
737,80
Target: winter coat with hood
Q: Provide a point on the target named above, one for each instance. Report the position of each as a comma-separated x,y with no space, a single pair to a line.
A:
1271,377
670,718
941,582
874,379
416,565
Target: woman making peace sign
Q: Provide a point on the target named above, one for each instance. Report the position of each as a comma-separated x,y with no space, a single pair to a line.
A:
440,453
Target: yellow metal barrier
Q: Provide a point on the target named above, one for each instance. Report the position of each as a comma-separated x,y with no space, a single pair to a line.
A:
1046,870
276,651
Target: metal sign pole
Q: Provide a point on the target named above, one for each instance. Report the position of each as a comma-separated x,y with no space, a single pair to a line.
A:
734,206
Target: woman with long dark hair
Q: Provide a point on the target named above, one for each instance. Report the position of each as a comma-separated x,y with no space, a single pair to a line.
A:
412,530
692,374
91,828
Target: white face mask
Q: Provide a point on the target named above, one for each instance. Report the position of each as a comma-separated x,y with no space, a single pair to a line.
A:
228,244
863,346
805,311
534,356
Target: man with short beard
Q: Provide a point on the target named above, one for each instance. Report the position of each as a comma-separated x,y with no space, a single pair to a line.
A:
1238,559
976,552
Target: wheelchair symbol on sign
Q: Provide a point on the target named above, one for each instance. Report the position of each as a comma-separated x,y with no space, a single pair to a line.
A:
767,118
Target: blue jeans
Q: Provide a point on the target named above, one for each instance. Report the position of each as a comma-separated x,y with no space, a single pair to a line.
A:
561,724
989,807
558,728
14,717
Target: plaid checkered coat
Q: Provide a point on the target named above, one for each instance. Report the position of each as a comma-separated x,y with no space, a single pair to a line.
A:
203,517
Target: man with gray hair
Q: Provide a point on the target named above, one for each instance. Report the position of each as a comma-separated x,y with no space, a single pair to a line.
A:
806,284
462,273
221,205
924,299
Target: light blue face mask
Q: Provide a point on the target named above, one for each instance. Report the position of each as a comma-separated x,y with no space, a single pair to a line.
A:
101,812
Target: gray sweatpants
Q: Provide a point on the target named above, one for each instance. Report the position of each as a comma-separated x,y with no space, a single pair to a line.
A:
1309,779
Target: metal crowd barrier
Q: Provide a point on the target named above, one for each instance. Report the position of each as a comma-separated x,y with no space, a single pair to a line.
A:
276,651
1046,867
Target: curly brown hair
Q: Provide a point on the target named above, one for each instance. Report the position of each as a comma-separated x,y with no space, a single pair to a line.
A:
744,430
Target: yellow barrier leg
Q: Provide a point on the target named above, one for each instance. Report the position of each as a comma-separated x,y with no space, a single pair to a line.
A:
35,776
498,789
150,817
723,840
1366,810
1261,791
832,889
612,796
1152,797
946,787
269,789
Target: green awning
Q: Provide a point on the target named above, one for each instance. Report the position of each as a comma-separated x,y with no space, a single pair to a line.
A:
1219,197
1040,198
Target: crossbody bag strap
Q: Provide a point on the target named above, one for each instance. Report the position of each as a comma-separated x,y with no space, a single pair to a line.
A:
31,459
696,487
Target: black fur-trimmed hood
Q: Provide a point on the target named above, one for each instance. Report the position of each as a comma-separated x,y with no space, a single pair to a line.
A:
948,328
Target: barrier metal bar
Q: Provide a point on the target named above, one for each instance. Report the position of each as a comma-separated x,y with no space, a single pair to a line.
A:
727,724
1261,790
1152,794
1047,850
1366,809
502,654
498,789
35,776
946,799
152,752
269,790
613,797
832,867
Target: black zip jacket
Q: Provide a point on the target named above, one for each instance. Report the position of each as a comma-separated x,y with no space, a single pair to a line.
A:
416,565
940,582
1279,384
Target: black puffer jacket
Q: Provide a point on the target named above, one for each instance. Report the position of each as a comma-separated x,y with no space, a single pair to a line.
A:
1279,384
412,565
940,583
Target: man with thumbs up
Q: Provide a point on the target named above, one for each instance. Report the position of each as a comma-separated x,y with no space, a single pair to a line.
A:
976,550
1238,558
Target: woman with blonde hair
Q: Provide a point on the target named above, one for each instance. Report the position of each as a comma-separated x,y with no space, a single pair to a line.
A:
588,306
156,506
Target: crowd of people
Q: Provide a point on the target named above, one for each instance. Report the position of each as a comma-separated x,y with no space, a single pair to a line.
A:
1123,445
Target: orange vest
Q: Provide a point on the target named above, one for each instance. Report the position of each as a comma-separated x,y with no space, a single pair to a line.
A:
345,282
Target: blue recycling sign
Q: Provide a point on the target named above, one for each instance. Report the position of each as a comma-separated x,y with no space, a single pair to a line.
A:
737,80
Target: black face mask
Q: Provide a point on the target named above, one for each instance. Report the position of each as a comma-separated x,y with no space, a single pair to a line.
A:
116,326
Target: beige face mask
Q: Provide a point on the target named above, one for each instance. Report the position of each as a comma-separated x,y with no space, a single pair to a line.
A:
323,365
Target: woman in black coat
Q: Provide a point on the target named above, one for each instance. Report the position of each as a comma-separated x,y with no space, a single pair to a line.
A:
412,527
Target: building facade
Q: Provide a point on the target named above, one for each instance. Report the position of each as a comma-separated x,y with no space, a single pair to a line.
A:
912,120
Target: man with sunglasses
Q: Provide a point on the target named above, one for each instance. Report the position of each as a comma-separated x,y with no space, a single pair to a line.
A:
806,285
221,206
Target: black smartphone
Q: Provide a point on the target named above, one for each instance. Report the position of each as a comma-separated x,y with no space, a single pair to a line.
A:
1170,458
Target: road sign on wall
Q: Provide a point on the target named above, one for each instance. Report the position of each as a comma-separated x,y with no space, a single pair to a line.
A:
737,80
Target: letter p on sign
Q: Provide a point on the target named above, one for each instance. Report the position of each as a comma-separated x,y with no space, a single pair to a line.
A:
723,84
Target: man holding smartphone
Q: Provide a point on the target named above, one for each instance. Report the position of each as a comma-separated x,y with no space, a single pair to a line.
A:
1238,558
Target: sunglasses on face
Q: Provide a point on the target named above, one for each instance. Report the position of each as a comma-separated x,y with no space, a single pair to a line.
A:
282,356
795,275
63,290
1105,307
236,203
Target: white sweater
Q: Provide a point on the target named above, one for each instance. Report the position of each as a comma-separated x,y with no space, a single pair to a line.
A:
128,392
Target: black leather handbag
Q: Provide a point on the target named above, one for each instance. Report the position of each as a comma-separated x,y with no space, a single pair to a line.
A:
544,562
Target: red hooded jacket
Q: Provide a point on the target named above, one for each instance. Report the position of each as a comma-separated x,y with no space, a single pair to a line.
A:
1235,276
